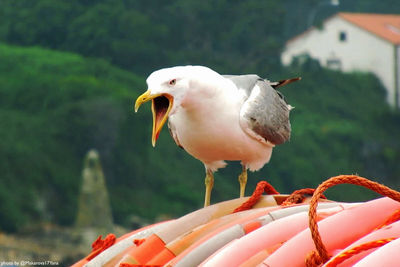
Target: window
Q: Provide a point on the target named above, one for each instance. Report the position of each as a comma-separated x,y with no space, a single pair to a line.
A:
342,36
334,64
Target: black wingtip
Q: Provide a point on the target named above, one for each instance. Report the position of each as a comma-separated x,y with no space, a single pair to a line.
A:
284,82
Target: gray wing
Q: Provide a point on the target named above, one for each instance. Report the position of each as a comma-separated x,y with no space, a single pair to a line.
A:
264,114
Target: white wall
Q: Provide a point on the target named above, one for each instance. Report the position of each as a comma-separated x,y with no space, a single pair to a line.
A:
362,51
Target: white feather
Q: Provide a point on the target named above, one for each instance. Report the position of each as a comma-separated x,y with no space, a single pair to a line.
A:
207,123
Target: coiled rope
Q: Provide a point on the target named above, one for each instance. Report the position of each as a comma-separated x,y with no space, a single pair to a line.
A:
320,255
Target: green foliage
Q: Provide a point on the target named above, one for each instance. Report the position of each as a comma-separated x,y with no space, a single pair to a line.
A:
55,106
145,35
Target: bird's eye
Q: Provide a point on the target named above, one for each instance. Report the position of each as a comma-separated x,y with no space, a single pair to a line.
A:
172,82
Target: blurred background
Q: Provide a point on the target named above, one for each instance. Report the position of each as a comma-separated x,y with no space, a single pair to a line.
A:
71,70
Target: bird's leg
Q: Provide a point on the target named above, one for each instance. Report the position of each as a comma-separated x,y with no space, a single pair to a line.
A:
243,180
209,181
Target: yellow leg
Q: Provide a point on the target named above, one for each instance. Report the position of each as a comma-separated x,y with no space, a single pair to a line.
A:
243,181
209,181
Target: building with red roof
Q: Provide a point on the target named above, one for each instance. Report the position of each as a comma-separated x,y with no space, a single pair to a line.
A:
353,42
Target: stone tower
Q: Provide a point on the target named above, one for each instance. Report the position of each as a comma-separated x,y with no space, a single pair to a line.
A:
94,211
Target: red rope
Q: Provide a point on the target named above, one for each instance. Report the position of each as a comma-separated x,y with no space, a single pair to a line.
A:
261,187
100,245
315,258
357,249
392,218
298,196
138,242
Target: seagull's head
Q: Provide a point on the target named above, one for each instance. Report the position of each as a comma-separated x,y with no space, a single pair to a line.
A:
167,89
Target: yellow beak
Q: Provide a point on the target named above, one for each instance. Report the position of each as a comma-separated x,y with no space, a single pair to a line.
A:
146,96
161,105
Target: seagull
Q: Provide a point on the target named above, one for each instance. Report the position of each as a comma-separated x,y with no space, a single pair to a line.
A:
217,117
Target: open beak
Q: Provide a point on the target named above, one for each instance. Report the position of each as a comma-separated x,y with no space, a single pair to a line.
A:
161,105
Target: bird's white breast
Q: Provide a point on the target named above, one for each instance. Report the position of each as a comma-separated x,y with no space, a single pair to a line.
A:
208,129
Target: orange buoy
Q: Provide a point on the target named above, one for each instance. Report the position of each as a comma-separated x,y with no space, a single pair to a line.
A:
389,231
259,232
287,223
386,256
165,235
122,243
235,226
337,231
